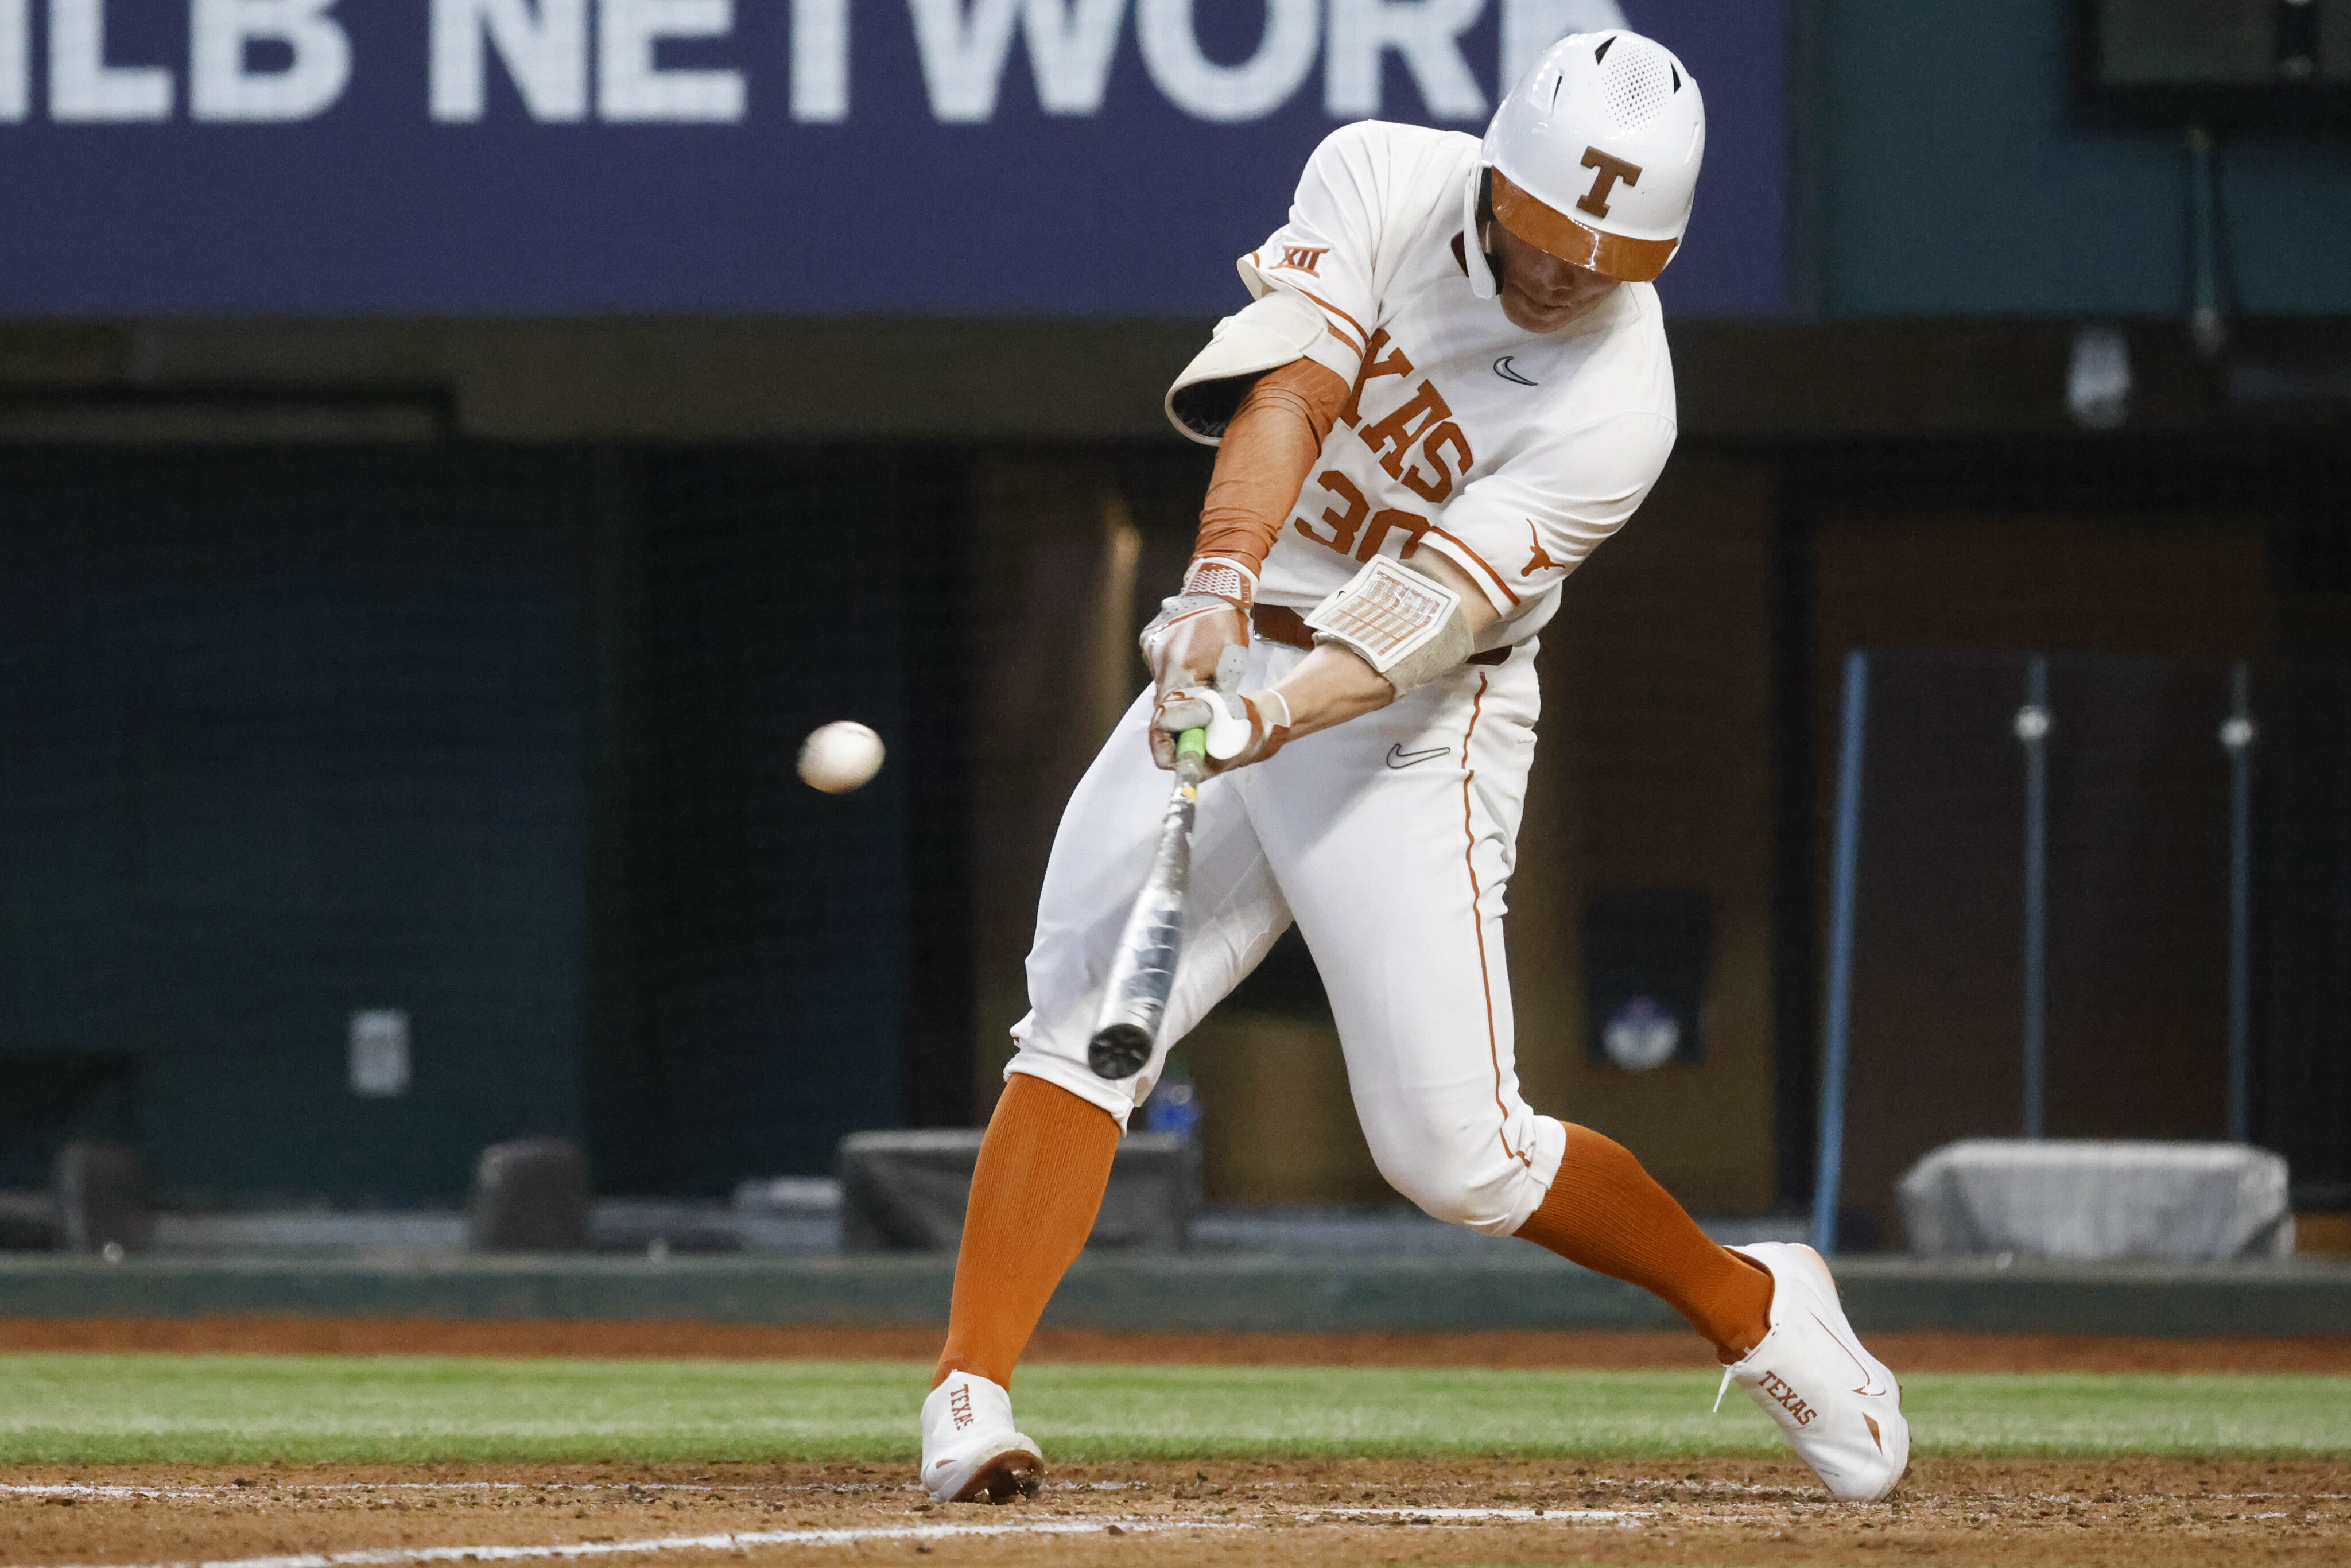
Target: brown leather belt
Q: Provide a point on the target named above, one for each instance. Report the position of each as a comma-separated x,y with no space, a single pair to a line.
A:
1278,624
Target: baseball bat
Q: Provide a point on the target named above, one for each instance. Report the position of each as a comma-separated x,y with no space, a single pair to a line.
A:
1127,1028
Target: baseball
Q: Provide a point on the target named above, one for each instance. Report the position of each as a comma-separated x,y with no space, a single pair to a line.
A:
839,756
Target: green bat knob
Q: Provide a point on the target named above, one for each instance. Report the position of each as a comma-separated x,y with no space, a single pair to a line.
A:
1192,755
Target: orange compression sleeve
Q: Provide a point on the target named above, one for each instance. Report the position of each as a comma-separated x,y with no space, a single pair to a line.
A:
1034,1194
1268,449
1606,1213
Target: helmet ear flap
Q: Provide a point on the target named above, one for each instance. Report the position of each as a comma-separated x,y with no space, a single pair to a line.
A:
1485,269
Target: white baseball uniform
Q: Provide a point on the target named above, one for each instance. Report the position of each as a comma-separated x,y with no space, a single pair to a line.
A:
1389,839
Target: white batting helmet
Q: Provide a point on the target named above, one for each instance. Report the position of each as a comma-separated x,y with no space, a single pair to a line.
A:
1594,158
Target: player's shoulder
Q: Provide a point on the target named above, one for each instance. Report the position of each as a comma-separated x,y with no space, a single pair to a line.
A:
1404,181
1622,372
1642,362
1645,322
1389,139
1397,157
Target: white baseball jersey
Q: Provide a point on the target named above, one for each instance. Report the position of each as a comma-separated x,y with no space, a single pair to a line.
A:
1511,454
1390,839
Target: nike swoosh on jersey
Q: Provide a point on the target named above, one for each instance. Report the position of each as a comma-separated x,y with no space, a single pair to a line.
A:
1509,372
1399,757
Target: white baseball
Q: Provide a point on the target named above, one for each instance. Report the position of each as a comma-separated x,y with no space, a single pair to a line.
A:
839,756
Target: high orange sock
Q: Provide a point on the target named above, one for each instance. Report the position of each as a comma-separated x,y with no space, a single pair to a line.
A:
1606,1213
1034,1194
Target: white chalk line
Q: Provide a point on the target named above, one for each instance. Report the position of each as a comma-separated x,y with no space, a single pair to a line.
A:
281,1489
278,1489
1484,1515
380,1557
389,1557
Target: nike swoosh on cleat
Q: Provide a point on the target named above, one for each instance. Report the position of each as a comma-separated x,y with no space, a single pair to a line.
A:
1867,1376
1399,757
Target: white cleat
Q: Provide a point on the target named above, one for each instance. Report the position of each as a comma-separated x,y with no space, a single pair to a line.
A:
970,1449
1836,1402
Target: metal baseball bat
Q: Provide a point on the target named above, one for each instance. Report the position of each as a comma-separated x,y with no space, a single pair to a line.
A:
1127,1029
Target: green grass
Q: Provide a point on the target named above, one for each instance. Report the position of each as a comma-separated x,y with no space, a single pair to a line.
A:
235,1409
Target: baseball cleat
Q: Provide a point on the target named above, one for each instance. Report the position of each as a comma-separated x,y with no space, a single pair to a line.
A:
1836,1403
970,1449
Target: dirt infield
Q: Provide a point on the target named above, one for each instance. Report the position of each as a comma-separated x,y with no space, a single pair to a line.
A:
1301,1514
1602,1349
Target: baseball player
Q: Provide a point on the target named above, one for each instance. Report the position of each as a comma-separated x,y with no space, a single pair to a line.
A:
1452,384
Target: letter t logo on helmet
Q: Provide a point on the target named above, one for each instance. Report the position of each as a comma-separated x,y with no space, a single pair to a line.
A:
1594,158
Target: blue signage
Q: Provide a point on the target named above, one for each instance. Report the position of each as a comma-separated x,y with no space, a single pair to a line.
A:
898,156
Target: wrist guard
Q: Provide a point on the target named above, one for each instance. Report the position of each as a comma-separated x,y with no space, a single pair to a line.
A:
1222,576
1211,582
1408,627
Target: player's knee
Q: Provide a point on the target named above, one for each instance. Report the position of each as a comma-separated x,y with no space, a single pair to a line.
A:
1453,1175
1451,1201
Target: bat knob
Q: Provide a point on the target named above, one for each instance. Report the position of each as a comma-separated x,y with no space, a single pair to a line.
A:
1118,1051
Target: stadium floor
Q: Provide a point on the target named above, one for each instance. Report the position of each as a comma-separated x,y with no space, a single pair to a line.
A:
2133,1490
1301,1513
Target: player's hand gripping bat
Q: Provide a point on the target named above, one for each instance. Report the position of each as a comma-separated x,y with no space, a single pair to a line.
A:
1127,1029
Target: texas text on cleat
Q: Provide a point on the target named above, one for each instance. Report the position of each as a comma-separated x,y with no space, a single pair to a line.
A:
970,1449
1839,1407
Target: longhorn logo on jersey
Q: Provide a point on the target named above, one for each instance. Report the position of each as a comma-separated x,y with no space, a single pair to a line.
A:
1540,560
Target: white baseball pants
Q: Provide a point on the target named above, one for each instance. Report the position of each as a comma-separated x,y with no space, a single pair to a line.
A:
1390,839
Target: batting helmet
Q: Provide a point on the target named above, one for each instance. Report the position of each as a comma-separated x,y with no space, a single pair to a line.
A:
1592,158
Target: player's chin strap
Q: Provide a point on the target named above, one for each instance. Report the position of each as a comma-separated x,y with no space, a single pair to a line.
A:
1477,214
1408,627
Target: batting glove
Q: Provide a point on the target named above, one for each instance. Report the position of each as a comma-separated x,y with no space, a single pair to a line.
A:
1242,730
1200,632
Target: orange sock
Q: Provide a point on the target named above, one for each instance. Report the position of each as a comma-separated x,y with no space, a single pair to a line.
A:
1606,1213
1034,1194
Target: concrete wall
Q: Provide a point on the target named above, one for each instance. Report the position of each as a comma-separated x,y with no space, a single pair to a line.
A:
1950,175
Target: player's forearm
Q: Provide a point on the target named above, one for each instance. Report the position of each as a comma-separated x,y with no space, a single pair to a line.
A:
1330,687
1267,451
1333,685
